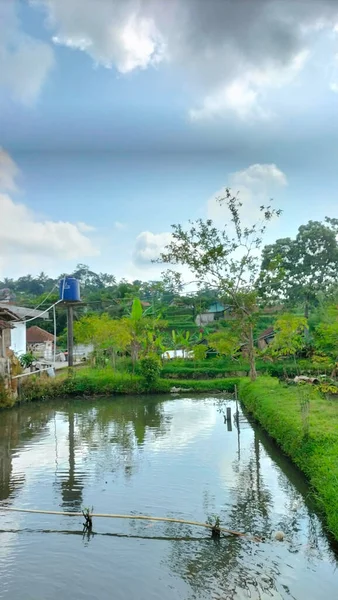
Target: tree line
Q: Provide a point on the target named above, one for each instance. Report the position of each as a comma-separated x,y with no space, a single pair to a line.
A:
230,263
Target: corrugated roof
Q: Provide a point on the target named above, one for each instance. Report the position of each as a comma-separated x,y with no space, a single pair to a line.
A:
216,307
266,333
8,315
22,312
36,335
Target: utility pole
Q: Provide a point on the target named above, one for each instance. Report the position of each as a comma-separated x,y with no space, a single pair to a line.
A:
70,334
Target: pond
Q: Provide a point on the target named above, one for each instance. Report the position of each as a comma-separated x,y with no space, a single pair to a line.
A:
159,456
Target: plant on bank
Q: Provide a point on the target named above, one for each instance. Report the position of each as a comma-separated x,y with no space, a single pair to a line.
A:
150,368
289,340
225,259
26,360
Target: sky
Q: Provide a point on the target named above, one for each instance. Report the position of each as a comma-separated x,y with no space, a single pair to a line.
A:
119,118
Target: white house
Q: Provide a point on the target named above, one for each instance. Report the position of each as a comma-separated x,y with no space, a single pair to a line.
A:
18,331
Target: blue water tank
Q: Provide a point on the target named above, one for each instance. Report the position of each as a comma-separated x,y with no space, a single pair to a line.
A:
69,289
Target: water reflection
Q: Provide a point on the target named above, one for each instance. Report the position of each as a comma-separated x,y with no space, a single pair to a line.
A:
17,429
163,457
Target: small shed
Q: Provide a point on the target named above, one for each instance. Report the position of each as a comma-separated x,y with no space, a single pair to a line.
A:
40,342
265,338
213,313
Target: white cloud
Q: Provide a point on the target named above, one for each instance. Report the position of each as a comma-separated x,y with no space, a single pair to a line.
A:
84,228
119,225
255,185
237,97
148,247
112,33
259,177
244,96
27,240
232,66
25,61
8,171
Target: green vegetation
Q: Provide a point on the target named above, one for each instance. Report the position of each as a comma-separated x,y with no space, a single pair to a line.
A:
305,426
106,382
227,260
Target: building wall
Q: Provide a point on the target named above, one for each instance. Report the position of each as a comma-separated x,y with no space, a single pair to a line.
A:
18,338
83,350
204,318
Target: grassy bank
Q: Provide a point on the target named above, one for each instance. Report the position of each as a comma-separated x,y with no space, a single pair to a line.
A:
106,382
214,368
305,426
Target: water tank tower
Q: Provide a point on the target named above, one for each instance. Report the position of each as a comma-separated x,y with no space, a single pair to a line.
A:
69,291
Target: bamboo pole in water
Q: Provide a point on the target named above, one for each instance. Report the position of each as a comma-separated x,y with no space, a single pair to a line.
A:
132,517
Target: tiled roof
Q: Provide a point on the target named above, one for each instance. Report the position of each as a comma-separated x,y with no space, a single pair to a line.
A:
36,335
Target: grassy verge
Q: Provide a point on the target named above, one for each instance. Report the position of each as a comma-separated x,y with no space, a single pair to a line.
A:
214,368
106,382
305,425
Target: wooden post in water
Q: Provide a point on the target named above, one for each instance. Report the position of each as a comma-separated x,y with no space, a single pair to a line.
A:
229,423
237,411
70,334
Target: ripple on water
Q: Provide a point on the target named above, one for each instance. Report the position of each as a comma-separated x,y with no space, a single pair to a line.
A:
164,458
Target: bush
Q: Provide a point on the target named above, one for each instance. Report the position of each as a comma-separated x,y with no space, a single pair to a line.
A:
106,382
26,360
150,368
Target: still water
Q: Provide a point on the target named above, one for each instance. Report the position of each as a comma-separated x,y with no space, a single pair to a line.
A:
163,457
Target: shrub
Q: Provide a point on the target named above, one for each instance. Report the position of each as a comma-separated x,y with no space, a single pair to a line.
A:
150,368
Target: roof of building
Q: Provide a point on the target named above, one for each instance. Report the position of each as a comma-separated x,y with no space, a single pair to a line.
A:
23,312
216,307
5,324
7,315
266,333
36,335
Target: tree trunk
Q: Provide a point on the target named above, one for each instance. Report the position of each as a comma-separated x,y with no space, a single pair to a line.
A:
251,354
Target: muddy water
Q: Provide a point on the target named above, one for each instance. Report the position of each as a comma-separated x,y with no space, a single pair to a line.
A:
163,457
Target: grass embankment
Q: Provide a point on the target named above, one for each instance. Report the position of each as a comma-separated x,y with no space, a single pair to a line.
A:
106,382
305,425
214,368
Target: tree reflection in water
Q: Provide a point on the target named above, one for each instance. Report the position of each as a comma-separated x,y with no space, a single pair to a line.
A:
234,568
18,429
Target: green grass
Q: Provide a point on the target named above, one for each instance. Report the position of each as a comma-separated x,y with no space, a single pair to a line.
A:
218,367
278,409
106,382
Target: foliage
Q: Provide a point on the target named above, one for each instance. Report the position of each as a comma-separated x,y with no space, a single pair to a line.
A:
328,388
5,398
105,333
150,368
137,310
107,382
289,338
225,259
199,352
26,360
299,269
276,407
226,342
326,334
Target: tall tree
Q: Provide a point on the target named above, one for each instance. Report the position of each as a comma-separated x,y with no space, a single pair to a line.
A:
298,269
225,259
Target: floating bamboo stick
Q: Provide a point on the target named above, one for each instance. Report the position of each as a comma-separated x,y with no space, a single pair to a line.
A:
132,517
